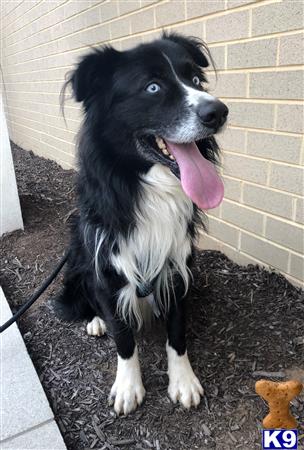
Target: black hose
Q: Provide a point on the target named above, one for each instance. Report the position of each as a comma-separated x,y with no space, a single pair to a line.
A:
36,295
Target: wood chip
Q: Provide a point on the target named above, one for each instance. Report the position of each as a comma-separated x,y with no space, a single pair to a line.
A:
123,442
262,373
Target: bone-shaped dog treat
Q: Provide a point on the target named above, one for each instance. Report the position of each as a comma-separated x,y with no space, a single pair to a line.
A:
278,397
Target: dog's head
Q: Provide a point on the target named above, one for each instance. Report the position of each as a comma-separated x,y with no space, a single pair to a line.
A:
154,96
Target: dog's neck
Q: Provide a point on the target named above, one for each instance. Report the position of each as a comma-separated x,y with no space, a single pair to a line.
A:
112,186
160,243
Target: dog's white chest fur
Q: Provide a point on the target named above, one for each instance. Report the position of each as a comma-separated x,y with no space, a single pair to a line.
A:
159,242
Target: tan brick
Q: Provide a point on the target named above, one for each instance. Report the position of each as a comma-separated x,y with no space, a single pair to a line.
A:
245,168
287,178
170,13
12,21
151,36
68,147
131,42
297,267
108,10
206,242
274,146
210,243
8,6
260,53
142,21
232,189
92,36
290,118
120,28
287,85
265,251
31,16
232,139
197,8
228,85
300,210
223,231
90,18
235,3
283,16
74,7
247,114
190,29
216,212
237,256
291,49
285,234
242,217
267,200
126,6
218,56
148,2
228,27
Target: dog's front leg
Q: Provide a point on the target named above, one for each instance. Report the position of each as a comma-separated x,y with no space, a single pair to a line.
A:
127,391
183,384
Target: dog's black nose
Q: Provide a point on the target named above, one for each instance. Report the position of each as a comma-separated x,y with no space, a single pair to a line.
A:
213,114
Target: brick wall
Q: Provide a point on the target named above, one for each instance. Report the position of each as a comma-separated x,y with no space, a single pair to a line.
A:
258,50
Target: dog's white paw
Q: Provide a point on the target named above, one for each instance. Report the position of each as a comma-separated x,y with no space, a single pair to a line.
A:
184,386
128,390
188,391
96,327
126,396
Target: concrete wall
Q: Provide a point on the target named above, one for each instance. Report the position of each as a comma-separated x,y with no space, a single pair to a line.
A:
10,211
258,50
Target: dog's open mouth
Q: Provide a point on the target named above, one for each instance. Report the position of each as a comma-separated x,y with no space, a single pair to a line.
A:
199,178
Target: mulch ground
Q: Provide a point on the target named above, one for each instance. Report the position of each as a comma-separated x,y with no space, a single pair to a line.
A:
244,324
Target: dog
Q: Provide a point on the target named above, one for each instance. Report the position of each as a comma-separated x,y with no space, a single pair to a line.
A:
147,167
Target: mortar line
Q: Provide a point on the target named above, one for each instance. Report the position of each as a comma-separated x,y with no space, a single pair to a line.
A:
260,262
268,131
257,236
263,159
182,22
291,222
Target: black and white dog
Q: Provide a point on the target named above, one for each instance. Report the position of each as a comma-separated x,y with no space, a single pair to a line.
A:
147,159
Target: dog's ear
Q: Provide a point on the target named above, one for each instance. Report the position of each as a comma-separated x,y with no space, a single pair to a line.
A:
194,46
93,72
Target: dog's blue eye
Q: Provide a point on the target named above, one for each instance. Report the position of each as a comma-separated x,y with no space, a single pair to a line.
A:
196,80
153,88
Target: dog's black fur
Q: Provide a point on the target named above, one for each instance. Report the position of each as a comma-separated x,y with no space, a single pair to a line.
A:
115,151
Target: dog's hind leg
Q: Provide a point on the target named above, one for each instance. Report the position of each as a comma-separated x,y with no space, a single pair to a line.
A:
72,302
96,327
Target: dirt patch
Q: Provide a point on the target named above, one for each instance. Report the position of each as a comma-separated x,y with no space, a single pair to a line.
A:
242,320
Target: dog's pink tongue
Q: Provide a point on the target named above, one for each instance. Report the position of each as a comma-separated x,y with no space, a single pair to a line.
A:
199,178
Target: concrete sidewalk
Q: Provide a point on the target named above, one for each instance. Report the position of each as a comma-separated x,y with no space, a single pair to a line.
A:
27,421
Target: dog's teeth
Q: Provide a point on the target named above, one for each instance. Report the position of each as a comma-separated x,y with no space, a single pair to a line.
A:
165,151
160,142
172,157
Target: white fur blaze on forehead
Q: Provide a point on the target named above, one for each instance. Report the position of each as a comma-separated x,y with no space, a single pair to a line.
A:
194,96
